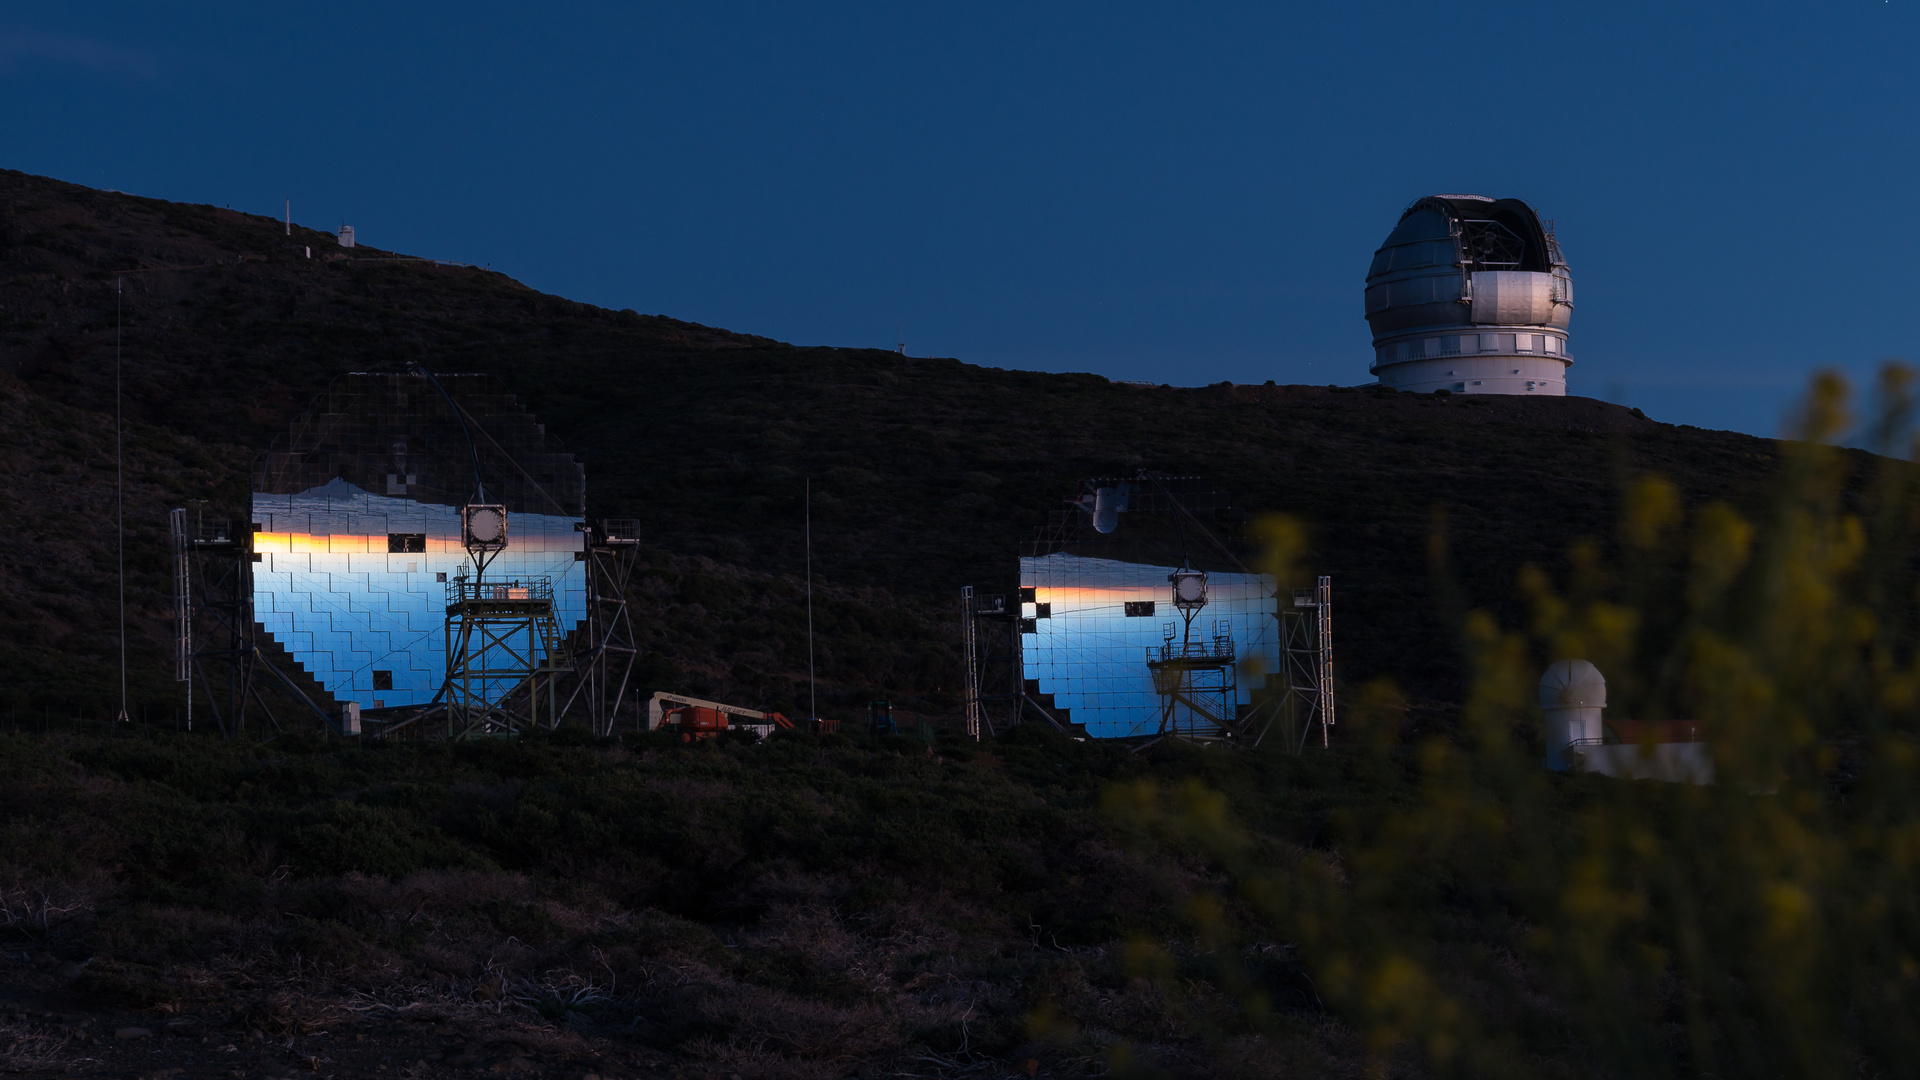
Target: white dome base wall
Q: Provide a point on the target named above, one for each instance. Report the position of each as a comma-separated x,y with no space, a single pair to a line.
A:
1538,376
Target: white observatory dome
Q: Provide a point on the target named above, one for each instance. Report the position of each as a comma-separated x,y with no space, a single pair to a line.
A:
1470,294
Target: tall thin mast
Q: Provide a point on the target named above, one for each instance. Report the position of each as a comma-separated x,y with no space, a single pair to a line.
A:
813,702
120,496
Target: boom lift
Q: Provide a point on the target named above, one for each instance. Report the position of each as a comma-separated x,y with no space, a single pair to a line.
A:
697,719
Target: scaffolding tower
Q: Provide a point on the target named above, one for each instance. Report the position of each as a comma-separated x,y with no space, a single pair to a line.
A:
973,711
1197,684
510,668
1306,634
505,655
996,684
604,663
216,642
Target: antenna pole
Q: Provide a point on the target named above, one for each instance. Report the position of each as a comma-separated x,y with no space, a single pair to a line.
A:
119,496
813,701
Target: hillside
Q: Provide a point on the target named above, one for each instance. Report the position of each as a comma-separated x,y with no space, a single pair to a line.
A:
927,472
1420,899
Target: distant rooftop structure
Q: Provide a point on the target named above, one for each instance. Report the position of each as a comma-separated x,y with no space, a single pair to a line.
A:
346,236
1470,294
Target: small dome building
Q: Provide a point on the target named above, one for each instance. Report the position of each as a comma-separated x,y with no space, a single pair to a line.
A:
1573,695
1470,294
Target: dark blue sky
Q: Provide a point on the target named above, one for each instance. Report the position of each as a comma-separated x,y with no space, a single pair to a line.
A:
1181,193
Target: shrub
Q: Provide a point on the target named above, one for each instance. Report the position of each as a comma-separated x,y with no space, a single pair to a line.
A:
1765,924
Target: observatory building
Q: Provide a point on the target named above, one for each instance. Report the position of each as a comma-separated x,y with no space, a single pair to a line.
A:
1470,295
358,529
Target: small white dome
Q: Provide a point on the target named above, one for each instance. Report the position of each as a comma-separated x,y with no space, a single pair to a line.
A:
1572,684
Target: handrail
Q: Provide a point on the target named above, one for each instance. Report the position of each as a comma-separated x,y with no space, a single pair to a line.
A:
465,591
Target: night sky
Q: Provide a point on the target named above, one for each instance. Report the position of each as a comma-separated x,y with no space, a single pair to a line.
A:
1179,193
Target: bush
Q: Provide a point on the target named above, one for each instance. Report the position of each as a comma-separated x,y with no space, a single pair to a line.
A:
1765,924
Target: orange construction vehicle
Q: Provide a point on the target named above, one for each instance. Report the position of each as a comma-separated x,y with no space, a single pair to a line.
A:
697,719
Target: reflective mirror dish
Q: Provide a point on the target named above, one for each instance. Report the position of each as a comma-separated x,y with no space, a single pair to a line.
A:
1146,623
1091,652
364,527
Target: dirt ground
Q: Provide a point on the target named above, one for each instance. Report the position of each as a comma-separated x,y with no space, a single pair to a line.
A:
48,1030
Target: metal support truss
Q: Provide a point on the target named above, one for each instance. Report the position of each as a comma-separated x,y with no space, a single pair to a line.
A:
996,686
182,602
1306,635
505,654
970,635
603,664
1198,687
216,644
1198,684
